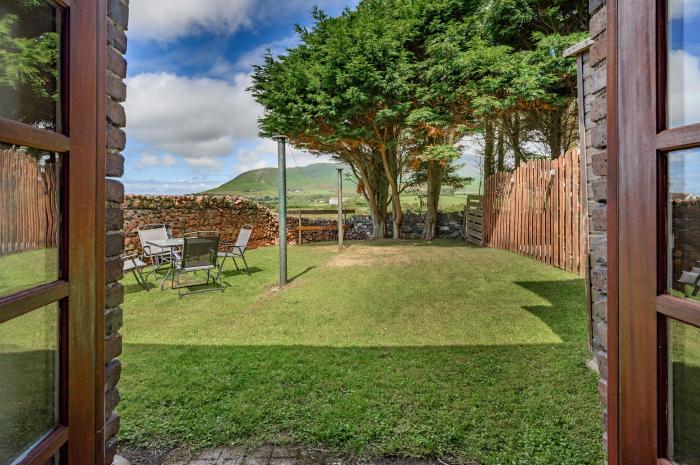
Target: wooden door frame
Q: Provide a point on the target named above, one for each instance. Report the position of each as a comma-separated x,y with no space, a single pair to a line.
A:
80,288
637,232
633,232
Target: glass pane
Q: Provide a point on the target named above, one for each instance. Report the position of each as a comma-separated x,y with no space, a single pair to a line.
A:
29,218
683,62
29,367
29,62
684,393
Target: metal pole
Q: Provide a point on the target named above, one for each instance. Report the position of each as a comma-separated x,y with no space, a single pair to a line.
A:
282,183
341,222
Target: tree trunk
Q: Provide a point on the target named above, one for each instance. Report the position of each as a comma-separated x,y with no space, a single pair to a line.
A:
489,151
434,187
500,153
376,193
397,217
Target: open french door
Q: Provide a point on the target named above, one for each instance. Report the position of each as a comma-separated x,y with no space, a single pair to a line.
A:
655,229
51,238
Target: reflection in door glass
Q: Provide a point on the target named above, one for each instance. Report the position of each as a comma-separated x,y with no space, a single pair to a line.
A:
29,62
29,218
683,62
684,393
29,367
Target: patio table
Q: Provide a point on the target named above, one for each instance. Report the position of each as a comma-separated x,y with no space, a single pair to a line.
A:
172,244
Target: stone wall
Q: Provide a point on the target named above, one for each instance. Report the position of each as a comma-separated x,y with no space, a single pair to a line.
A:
450,225
593,53
186,214
115,140
227,214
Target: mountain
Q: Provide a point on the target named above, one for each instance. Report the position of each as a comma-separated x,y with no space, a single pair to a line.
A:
319,178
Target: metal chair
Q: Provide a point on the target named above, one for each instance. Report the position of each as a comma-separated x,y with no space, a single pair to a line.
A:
134,264
238,248
157,256
200,253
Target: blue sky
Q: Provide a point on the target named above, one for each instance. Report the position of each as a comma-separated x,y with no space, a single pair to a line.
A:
191,123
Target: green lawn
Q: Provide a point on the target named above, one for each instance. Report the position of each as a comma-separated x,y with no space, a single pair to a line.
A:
408,349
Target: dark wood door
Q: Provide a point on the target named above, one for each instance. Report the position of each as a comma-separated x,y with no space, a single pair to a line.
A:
655,229
51,197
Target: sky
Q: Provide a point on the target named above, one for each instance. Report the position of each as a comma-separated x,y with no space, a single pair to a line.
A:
191,124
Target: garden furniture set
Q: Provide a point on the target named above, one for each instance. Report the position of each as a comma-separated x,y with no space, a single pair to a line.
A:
195,252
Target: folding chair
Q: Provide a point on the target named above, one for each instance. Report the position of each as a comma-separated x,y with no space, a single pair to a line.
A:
238,248
199,253
134,264
157,256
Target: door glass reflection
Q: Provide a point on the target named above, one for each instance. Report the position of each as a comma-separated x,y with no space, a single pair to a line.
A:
29,218
29,367
683,62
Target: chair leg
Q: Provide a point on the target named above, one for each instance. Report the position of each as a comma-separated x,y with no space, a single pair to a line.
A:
247,270
140,280
235,263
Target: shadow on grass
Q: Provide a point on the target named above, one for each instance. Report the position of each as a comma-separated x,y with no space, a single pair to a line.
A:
519,404
558,314
299,275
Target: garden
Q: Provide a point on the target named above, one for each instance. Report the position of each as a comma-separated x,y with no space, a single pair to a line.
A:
411,349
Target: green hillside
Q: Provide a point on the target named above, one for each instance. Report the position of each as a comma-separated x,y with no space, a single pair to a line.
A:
320,178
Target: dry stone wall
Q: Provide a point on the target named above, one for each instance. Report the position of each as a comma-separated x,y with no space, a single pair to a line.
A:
227,214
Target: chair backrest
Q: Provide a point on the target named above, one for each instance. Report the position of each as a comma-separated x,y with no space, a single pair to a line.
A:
244,236
200,249
152,232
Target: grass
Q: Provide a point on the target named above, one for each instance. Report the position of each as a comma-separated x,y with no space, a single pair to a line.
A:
409,349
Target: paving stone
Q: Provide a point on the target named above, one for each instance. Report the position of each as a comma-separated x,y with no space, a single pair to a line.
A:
284,452
265,451
211,454
283,461
256,460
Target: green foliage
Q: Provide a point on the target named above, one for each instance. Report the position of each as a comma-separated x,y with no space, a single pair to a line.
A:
395,78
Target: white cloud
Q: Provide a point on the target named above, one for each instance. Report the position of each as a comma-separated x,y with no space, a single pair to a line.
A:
223,69
198,119
684,88
151,159
154,187
684,8
166,20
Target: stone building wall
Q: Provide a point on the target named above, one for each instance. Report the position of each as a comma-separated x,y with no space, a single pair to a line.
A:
115,139
594,51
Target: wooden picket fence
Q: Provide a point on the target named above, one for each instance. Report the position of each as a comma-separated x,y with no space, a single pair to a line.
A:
28,203
537,210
